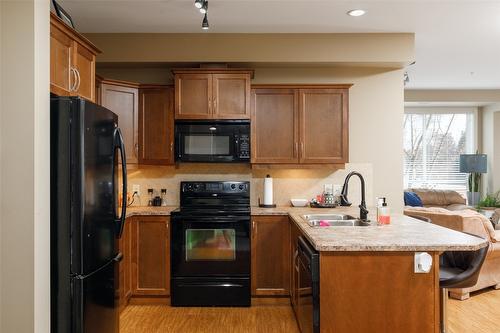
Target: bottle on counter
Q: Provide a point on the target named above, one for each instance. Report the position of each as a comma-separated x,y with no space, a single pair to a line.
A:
163,197
150,197
383,213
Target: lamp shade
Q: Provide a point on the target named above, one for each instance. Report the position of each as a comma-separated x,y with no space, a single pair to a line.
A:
473,163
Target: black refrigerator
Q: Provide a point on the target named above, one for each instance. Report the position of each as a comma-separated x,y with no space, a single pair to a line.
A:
88,170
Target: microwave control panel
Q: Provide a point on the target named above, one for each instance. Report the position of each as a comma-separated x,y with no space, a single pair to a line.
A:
244,144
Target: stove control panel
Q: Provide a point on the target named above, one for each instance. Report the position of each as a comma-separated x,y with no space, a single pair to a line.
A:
215,187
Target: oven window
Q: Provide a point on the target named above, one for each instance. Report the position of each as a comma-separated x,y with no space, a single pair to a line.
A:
210,244
206,145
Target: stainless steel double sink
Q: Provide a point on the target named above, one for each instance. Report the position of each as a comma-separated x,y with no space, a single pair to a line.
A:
334,220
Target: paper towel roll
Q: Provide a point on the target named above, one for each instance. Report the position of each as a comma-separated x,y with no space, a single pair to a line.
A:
268,190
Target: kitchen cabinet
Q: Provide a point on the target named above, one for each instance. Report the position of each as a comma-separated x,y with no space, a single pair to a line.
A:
212,94
270,273
122,98
295,272
274,111
156,125
309,125
125,247
72,61
150,256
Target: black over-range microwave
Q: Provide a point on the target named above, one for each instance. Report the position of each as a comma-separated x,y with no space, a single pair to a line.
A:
212,141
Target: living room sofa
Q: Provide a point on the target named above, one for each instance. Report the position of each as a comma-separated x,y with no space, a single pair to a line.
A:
475,223
450,200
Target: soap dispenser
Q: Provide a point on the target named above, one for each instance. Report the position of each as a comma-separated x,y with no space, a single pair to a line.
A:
383,213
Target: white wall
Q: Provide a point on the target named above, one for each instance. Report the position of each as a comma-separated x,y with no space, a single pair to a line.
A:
491,146
24,171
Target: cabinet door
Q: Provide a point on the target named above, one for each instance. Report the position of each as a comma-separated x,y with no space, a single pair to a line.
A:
151,256
193,96
84,64
125,247
274,126
62,78
270,255
323,125
231,96
156,126
123,101
294,276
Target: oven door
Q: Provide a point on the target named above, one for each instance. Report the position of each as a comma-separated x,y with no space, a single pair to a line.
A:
210,246
206,142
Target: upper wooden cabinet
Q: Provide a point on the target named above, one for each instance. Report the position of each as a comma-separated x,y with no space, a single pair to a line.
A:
72,61
274,111
123,99
270,256
212,94
156,125
309,125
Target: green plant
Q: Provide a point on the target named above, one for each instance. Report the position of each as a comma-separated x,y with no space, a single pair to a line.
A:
474,181
490,200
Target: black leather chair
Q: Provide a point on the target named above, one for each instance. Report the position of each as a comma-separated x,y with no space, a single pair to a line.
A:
457,269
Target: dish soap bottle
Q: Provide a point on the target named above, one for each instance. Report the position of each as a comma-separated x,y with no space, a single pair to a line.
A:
383,213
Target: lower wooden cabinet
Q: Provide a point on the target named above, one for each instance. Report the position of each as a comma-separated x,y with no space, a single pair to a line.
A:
124,289
150,256
270,273
294,276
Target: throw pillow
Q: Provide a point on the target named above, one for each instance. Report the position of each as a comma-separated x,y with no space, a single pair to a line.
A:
412,199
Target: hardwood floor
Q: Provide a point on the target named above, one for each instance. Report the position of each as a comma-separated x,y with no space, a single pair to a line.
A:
165,319
479,314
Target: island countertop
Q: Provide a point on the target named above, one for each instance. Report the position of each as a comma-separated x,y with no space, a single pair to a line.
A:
403,234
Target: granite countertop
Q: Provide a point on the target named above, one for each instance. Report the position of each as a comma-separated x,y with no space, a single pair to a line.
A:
403,234
147,210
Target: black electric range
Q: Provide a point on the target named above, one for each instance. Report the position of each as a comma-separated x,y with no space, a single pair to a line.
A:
210,245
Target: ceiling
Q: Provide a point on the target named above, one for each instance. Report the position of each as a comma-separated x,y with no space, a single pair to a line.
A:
457,41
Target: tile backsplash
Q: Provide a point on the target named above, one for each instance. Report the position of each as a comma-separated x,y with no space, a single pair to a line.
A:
296,183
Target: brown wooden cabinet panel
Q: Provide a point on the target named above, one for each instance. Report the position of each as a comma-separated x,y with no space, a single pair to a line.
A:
323,125
398,299
125,247
294,276
72,61
270,275
230,96
156,125
122,99
274,125
61,55
85,67
193,96
151,256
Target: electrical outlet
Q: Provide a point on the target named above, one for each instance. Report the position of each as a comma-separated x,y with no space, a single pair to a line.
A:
136,188
337,189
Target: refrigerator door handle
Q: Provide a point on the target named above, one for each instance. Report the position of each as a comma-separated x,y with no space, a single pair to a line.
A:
116,259
121,146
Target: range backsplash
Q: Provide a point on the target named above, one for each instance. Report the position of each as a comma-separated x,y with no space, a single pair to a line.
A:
296,183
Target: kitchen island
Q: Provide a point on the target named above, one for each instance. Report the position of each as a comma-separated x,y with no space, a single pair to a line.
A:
367,274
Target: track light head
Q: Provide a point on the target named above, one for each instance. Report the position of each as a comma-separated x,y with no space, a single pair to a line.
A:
204,7
204,25
198,3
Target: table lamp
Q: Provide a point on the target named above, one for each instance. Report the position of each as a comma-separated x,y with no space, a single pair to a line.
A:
474,165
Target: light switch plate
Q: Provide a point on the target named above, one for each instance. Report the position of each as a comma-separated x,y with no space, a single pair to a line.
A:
136,188
337,189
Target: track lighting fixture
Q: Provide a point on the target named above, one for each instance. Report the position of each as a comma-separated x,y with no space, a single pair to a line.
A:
204,25
198,3
204,7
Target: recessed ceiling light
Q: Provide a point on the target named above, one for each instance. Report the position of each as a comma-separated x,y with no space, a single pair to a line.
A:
356,12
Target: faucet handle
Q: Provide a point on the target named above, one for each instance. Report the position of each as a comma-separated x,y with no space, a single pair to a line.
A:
363,212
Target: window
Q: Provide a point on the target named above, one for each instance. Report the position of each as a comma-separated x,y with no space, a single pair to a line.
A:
433,142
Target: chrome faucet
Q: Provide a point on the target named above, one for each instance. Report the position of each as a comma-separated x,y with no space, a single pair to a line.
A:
363,212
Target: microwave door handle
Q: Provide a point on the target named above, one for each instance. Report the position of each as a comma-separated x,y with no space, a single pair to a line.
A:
121,146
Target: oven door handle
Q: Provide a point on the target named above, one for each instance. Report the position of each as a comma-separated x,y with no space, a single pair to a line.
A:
211,285
215,220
